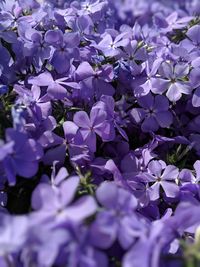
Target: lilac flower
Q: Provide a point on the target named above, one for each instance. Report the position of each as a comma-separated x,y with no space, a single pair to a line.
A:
173,81
79,153
90,126
143,85
107,103
65,48
60,194
84,26
174,22
70,130
96,82
110,47
193,40
162,176
39,106
34,45
134,53
94,8
55,88
9,13
19,156
153,113
118,220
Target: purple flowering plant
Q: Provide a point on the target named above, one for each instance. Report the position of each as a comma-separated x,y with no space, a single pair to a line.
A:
99,133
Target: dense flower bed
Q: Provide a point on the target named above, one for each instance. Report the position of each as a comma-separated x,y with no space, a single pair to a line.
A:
99,133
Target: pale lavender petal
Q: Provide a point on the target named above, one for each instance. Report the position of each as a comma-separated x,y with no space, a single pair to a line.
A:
70,129
84,71
56,91
184,87
44,79
195,77
82,209
171,190
181,70
136,256
154,191
155,167
166,70
61,175
36,92
170,173
106,41
159,85
68,189
173,93
107,195
143,89
97,117
44,197
81,119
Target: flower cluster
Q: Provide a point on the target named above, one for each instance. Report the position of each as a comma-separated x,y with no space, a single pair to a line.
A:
99,133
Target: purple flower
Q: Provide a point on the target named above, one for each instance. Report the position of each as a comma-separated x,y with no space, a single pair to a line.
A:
65,48
142,85
34,45
134,54
107,103
21,157
176,23
93,8
95,82
10,12
118,220
40,106
110,47
153,113
162,176
54,199
172,80
90,126
193,41
55,88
